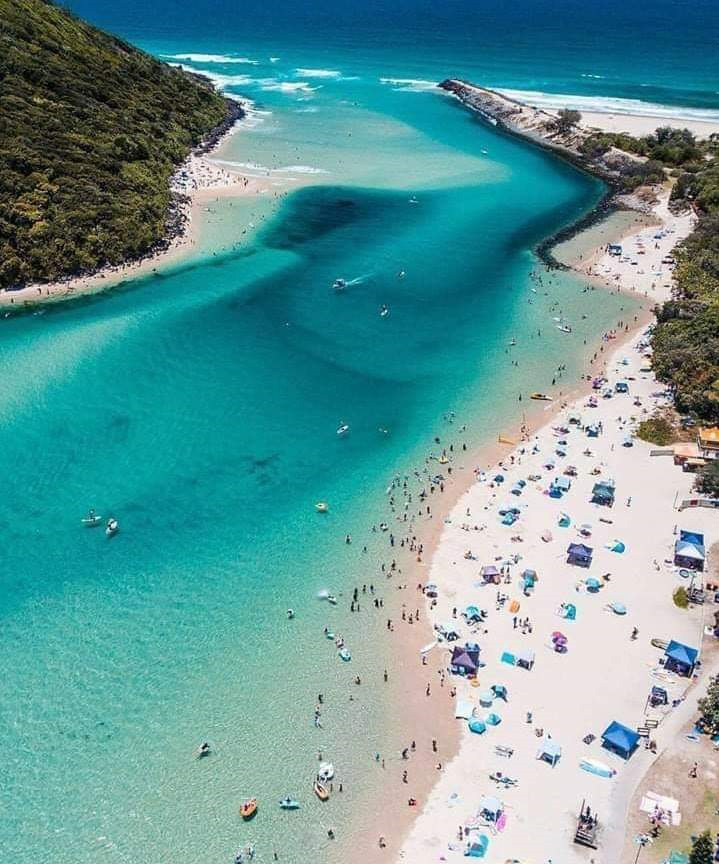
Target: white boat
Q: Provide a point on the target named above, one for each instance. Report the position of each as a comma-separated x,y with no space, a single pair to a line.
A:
384,311
345,654
322,507
339,284
564,328
331,599
112,527
343,429
289,803
92,519
326,771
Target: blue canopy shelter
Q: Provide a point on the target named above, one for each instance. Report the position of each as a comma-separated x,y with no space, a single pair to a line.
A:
689,551
464,662
620,739
680,658
579,554
603,493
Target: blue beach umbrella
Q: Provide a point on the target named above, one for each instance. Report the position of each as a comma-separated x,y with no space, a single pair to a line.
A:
616,546
593,584
477,726
619,608
493,719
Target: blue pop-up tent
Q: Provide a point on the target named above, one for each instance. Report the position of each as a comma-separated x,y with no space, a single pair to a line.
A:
620,739
579,554
680,658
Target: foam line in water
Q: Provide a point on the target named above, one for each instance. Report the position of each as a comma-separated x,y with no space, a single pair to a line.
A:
413,85
611,105
318,73
212,58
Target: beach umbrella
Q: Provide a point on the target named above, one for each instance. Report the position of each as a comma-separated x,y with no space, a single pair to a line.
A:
558,637
514,606
564,520
593,584
471,612
547,536
570,611
493,719
616,546
619,608
585,530
499,478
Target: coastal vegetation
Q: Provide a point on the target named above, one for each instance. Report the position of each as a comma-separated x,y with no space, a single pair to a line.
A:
686,337
657,430
702,849
91,130
707,481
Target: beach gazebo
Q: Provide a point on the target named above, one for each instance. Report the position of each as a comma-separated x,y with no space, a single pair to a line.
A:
603,493
689,551
620,739
490,808
549,751
464,662
680,658
525,659
490,573
579,554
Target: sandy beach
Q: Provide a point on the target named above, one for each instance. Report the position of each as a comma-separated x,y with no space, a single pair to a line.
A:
604,675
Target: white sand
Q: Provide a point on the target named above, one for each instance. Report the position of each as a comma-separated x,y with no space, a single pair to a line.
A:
644,124
605,675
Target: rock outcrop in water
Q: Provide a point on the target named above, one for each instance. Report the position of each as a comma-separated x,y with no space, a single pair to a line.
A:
541,127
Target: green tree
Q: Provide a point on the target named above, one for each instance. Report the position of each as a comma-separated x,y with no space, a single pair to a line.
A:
709,705
707,481
566,119
702,850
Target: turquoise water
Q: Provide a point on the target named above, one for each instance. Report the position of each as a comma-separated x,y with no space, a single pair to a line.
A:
200,408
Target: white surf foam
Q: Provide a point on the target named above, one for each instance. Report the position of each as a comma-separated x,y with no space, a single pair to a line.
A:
318,73
212,58
611,105
222,82
299,87
262,170
413,85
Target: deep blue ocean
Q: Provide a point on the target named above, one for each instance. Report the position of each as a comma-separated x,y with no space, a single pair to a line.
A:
200,408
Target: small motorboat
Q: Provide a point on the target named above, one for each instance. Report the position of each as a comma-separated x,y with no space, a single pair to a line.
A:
321,790
322,507
203,750
326,771
331,599
289,803
383,311
345,655
512,342
248,808
112,527
540,397
343,429
92,519
565,328
339,284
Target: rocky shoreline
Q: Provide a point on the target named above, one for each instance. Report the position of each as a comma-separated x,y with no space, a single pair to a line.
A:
540,127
